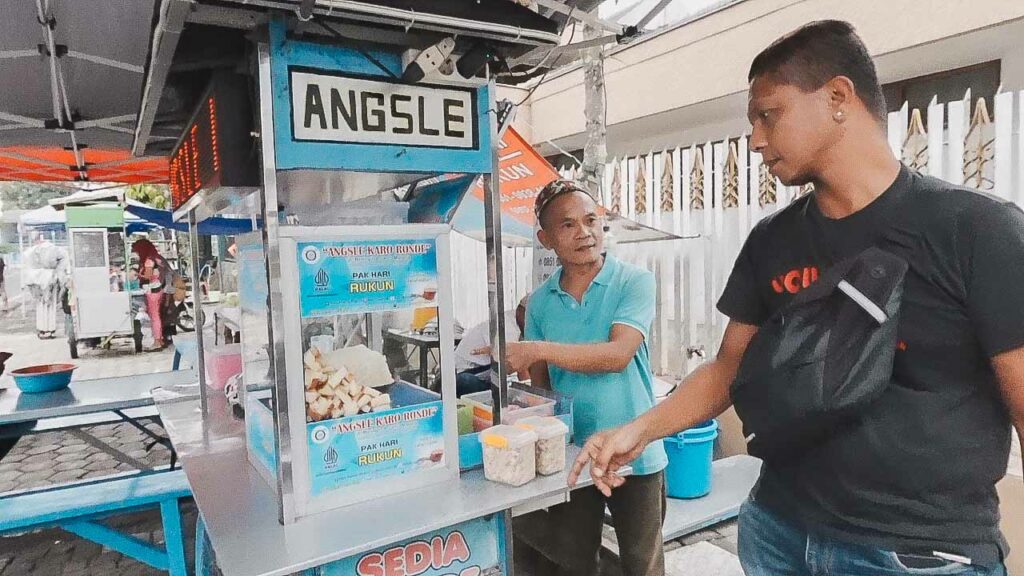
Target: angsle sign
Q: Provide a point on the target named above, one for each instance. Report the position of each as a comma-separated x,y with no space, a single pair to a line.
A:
359,110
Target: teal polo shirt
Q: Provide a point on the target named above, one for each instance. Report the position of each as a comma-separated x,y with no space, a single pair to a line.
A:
620,294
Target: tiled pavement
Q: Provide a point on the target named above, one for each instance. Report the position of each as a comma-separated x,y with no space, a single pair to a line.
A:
58,457
54,458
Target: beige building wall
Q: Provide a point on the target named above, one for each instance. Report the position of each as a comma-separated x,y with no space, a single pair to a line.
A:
693,78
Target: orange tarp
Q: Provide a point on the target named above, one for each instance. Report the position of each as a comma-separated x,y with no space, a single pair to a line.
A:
26,163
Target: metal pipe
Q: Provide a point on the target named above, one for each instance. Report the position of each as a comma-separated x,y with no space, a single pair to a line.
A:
28,122
495,267
582,16
165,41
422,20
54,89
106,62
272,261
10,54
197,311
652,14
58,87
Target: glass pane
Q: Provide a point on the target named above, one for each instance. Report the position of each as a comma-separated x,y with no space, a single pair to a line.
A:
118,266
89,252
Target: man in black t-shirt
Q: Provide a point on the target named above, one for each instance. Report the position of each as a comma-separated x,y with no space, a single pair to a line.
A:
910,487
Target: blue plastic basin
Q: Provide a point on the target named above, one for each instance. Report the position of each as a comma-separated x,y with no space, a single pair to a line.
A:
43,378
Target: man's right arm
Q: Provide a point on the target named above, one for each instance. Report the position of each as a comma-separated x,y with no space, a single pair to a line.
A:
702,395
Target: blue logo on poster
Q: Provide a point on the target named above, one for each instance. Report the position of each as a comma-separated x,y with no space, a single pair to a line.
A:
322,279
331,457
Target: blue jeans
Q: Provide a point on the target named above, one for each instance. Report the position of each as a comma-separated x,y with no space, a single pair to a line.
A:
468,382
771,546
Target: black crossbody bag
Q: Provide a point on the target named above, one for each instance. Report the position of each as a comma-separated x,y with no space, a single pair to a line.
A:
822,359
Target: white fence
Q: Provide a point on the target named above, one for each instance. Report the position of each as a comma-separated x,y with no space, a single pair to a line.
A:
719,191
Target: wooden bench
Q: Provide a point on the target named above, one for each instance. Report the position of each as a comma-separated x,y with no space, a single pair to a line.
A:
78,508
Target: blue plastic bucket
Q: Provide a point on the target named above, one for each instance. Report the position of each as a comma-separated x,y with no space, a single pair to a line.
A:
689,461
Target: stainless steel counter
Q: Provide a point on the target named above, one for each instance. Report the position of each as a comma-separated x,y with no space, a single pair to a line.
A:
240,509
87,396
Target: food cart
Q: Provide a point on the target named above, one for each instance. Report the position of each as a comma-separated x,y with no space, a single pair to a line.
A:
99,291
341,466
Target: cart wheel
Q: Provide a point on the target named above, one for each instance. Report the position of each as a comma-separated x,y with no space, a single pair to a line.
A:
185,322
69,329
137,335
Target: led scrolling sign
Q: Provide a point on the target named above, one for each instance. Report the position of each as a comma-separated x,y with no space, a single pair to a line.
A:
216,148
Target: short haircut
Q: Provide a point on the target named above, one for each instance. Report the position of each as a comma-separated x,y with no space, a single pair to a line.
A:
815,53
553,190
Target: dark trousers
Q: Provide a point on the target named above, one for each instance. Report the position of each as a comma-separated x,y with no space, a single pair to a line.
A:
568,536
472,380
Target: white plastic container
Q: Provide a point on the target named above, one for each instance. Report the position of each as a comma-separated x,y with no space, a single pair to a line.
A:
552,438
521,405
509,454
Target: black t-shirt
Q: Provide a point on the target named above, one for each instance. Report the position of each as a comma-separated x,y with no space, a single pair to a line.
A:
918,472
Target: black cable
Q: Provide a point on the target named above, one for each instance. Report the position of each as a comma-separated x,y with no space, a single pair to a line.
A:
337,35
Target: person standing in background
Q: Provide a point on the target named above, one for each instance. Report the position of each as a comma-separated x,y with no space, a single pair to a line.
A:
45,273
152,275
3,287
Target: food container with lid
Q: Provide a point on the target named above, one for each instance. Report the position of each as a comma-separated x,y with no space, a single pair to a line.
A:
552,435
509,454
521,404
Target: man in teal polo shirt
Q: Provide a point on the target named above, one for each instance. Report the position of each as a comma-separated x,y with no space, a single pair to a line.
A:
586,337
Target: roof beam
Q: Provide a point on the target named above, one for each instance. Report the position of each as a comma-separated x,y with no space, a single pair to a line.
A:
24,121
173,14
105,122
585,17
12,54
106,62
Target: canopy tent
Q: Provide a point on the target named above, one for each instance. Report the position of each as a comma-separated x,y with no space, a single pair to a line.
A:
50,218
522,173
46,217
41,164
139,216
123,76
68,105
215,226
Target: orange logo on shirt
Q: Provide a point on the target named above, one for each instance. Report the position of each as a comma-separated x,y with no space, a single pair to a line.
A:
795,280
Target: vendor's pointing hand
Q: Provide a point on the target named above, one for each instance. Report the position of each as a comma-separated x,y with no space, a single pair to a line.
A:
519,356
607,452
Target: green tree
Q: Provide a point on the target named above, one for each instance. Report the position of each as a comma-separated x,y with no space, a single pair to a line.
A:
155,195
27,195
